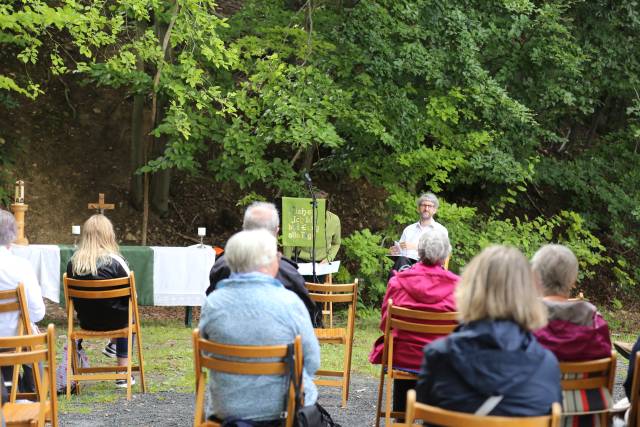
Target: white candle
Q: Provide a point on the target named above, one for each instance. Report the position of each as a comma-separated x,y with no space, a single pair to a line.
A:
21,192
75,229
202,231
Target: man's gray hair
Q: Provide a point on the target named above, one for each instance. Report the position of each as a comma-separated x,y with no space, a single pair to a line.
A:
433,247
557,268
250,250
261,215
428,197
8,228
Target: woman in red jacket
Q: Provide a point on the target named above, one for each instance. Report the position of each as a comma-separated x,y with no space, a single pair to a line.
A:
425,286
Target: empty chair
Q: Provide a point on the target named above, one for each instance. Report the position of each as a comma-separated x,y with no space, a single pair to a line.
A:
337,294
33,349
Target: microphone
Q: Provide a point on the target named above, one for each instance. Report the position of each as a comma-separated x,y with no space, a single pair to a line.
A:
307,178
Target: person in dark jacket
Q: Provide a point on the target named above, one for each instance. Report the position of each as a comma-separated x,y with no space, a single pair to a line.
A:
265,215
493,352
98,258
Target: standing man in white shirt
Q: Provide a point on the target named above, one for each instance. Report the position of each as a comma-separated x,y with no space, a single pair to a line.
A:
408,244
15,270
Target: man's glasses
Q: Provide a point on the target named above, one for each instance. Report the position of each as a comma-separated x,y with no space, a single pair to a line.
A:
427,205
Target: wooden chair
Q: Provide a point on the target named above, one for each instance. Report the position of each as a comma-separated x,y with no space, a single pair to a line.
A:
16,300
404,319
337,293
207,354
433,415
33,349
634,410
327,307
102,289
594,377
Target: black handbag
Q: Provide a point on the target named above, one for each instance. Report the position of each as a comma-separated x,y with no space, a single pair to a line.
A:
306,416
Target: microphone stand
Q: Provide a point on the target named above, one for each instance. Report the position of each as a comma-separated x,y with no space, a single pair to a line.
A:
314,209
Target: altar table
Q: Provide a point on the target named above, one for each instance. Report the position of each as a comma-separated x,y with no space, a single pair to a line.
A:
165,276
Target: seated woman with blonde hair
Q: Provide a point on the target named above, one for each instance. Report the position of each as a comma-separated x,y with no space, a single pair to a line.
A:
493,352
576,331
98,258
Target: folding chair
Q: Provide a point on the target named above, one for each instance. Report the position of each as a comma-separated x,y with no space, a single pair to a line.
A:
33,349
634,410
587,387
404,319
16,300
337,293
228,359
96,290
432,415
327,307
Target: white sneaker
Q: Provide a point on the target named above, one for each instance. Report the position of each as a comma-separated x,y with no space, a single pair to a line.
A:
621,405
123,383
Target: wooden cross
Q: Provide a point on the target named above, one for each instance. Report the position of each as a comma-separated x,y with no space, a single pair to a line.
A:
101,205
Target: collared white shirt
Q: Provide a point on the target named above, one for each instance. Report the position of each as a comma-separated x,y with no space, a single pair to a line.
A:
14,270
412,233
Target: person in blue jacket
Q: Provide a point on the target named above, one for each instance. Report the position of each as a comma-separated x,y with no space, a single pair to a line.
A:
493,352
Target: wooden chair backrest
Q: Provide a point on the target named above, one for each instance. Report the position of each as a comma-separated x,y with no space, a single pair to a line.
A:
427,322
442,417
207,355
32,350
594,373
634,418
16,300
99,289
334,293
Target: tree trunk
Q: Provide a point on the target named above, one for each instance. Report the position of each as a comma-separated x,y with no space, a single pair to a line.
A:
136,187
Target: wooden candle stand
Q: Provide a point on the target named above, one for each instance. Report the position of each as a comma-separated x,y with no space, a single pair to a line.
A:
19,209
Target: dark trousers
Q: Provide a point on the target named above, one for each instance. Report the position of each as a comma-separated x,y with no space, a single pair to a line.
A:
400,389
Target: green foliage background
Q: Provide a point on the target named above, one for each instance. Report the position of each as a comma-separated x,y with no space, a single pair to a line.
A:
523,116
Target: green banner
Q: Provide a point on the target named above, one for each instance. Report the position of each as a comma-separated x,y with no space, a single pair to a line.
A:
297,221
140,260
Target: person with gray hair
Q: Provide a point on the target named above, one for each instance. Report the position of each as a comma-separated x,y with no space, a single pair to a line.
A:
263,215
251,307
427,206
425,286
15,270
576,331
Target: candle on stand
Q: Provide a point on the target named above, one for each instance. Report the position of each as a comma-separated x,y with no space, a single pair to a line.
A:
202,231
19,194
75,230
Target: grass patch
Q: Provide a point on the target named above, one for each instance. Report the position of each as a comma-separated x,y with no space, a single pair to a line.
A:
169,359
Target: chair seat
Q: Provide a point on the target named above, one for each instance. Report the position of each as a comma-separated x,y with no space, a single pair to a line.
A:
114,333
20,414
589,401
337,335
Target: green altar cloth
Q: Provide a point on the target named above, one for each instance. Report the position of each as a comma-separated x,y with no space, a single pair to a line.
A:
140,260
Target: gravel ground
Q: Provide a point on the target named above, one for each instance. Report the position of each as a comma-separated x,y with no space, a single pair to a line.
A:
176,409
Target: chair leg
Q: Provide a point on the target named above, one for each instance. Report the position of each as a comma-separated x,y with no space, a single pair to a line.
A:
138,339
389,395
69,350
129,361
379,404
